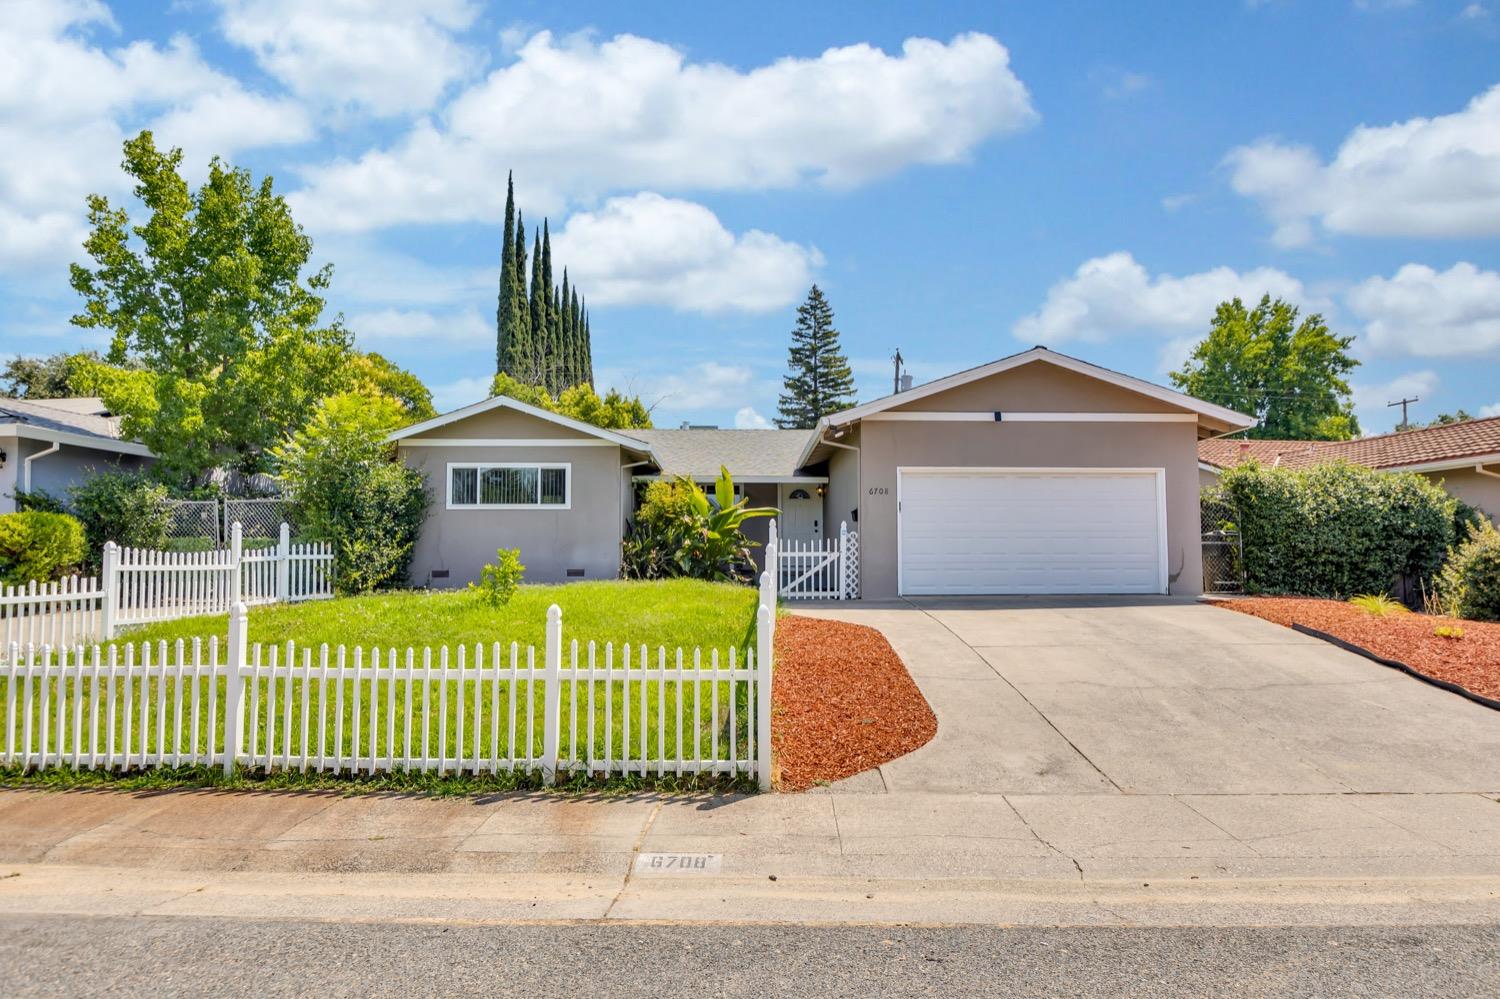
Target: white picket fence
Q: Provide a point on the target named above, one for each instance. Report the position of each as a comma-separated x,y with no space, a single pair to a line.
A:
593,709
137,585
825,569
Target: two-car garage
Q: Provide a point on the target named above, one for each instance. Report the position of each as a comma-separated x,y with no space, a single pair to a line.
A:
1031,530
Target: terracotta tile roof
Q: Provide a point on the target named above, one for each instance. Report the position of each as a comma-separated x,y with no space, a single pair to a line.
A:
1450,442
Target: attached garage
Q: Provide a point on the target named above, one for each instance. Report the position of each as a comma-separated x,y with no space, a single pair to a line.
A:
1035,474
1031,530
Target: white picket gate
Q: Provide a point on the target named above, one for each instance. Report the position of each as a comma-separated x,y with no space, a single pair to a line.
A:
823,569
471,709
140,585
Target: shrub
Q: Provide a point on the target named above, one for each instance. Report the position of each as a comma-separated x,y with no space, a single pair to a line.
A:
1378,605
1448,631
127,508
679,532
40,500
38,545
499,579
1469,585
347,490
1337,529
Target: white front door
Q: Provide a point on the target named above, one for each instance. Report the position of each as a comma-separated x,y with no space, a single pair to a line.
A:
1055,530
801,513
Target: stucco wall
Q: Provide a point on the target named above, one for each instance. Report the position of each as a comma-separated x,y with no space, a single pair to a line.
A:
1477,490
586,536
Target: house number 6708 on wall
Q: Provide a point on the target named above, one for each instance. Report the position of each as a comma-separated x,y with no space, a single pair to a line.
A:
879,491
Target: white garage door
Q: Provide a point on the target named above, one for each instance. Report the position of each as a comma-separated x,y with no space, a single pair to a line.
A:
1006,530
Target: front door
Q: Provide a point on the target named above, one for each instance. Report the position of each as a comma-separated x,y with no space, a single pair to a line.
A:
801,514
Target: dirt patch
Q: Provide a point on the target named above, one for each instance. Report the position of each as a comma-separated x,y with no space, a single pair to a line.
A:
843,702
1472,661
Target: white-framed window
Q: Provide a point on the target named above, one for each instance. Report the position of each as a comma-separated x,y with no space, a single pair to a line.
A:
492,485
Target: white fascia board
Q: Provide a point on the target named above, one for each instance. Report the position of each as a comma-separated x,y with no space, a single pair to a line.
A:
754,480
504,442
1446,465
1221,413
496,402
29,432
1007,416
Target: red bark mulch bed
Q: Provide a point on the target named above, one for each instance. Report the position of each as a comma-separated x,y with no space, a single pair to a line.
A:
1472,662
843,702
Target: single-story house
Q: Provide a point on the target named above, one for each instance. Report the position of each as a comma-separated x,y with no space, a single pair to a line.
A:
48,445
1037,473
1462,457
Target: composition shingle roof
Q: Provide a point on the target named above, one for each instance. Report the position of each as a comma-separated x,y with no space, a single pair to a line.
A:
745,452
74,416
1450,442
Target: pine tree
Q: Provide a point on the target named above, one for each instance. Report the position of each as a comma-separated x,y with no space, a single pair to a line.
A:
504,315
819,381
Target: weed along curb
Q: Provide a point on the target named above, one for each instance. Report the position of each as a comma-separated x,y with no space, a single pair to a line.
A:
1452,688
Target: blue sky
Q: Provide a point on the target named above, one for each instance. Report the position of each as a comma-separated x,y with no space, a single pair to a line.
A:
963,180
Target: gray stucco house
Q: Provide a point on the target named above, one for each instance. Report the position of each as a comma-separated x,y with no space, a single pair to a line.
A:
1037,473
47,445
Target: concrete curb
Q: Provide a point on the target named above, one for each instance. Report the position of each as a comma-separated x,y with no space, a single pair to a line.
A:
1449,686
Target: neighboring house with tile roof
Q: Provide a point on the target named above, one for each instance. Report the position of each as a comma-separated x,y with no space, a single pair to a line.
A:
1464,457
48,445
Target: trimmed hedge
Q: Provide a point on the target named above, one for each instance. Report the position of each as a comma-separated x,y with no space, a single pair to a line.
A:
1337,530
40,546
1470,582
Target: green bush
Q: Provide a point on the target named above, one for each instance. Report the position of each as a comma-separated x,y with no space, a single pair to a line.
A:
348,490
40,546
1335,530
40,500
127,508
498,580
678,532
1469,585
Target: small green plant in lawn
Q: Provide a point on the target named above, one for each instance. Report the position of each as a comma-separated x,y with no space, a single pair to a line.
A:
1378,605
499,580
1448,631
39,546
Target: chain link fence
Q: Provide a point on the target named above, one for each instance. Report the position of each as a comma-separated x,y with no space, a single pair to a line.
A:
203,525
1223,548
193,525
259,518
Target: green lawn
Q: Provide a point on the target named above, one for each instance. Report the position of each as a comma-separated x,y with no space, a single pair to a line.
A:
703,714
678,612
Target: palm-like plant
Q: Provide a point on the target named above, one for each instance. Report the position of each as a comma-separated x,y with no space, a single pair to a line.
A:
690,536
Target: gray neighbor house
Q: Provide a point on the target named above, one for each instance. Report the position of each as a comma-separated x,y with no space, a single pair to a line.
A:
47,445
1036,473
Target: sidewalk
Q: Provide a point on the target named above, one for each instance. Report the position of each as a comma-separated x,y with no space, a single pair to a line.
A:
820,857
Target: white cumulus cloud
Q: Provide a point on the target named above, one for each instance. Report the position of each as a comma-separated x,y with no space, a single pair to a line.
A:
384,56
1422,312
747,418
1115,295
577,118
1427,177
1372,401
650,250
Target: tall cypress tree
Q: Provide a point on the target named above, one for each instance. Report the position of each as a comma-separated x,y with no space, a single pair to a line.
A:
565,377
520,353
567,338
819,380
505,323
549,297
581,321
541,329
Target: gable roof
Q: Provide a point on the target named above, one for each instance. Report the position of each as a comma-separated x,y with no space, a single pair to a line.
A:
1228,418
78,421
1449,445
506,402
749,454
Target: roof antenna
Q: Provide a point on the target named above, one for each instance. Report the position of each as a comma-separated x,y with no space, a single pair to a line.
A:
902,382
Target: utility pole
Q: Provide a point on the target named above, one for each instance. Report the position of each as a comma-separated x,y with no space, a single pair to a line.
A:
896,384
1403,404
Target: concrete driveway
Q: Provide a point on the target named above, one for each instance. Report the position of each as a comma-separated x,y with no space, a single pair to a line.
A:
1160,696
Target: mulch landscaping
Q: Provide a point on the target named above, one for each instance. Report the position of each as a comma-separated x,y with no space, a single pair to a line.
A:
843,702
1472,662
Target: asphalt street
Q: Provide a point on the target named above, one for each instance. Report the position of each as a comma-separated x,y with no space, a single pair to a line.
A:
162,956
